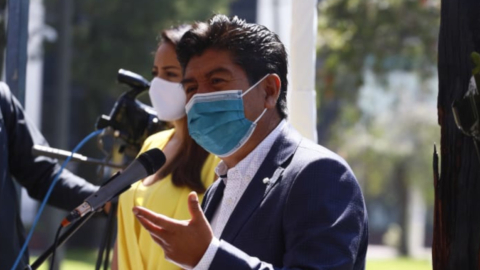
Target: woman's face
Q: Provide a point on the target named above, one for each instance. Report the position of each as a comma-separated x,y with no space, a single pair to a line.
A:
166,65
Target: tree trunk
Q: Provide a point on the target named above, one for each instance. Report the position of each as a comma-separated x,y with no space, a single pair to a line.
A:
456,239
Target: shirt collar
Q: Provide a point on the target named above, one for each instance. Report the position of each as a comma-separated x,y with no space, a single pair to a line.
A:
248,167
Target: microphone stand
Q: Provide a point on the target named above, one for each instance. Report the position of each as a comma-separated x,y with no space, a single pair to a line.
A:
109,235
62,239
40,150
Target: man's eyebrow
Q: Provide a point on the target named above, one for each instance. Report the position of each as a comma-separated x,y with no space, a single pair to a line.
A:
217,70
207,75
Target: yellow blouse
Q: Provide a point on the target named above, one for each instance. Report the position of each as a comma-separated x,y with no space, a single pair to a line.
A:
135,247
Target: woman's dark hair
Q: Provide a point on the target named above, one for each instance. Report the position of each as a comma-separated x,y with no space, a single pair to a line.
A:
257,50
186,167
174,34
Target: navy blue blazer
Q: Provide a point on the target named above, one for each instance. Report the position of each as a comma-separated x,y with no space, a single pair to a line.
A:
310,215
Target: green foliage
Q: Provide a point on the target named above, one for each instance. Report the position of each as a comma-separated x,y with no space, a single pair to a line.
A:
386,35
109,35
381,36
476,70
399,264
476,60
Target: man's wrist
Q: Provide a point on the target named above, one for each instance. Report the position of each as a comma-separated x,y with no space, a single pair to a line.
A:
208,256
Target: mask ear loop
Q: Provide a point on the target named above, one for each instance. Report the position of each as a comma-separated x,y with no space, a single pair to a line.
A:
259,117
250,89
250,132
255,85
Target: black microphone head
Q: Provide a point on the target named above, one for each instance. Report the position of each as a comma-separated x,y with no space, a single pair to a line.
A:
152,160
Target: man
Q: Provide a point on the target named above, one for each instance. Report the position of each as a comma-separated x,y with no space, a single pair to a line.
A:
283,202
17,137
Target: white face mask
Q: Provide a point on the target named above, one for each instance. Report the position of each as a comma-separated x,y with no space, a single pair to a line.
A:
168,99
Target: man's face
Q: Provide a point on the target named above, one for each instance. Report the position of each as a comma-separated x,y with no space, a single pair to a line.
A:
215,71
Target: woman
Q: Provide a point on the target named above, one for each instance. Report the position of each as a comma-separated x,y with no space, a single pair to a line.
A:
188,166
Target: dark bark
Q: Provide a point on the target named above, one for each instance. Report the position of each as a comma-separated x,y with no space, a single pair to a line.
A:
457,194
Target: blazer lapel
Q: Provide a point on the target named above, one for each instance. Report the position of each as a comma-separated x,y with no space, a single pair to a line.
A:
213,201
272,168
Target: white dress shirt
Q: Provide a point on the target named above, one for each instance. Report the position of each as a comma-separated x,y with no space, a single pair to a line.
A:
236,182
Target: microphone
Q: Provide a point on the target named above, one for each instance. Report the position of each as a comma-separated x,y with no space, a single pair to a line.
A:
146,164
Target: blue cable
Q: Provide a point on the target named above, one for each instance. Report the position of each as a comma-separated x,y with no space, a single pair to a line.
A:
37,217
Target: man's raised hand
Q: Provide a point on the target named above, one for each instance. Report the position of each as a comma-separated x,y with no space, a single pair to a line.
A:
183,241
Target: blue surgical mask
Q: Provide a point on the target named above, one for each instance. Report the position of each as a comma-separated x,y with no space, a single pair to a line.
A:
217,122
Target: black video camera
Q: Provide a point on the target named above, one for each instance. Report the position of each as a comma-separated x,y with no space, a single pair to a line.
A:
130,119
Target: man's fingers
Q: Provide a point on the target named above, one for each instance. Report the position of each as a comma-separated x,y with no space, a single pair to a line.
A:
149,226
154,218
157,233
159,240
194,207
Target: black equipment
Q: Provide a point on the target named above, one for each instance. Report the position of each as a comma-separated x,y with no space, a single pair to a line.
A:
130,119
146,164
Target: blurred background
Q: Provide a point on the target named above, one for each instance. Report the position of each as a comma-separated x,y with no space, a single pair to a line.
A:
375,80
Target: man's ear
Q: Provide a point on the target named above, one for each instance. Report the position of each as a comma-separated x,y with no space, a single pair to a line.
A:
272,90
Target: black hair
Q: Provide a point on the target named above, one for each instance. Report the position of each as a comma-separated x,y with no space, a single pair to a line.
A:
174,34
